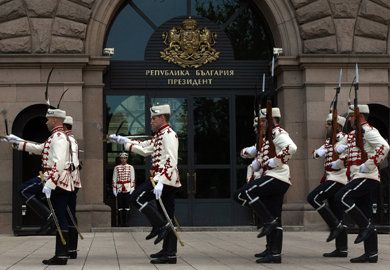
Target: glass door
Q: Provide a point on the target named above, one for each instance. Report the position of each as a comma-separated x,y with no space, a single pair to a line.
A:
203,127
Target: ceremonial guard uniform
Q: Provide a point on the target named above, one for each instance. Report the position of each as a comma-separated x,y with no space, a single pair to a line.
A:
355,196
123,184
76,167
332,181
57,177
265,194
163,148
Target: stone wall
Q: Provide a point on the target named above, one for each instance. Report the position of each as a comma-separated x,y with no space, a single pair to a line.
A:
44,26
339,26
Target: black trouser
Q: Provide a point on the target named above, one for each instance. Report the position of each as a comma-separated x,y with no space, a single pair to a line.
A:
60,199
123,200
30,188
356,200
270,192
327,191
142,197
73,234
31,192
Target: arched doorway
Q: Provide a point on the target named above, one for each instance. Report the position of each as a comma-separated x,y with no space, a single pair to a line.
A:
29,124
212,104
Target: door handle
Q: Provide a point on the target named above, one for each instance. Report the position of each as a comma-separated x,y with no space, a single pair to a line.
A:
194,190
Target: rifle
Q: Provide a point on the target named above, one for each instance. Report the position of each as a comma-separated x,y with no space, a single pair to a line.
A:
270,120
259,135
335,155
358,126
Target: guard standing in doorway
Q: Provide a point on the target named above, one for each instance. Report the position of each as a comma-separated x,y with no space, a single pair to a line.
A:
123,184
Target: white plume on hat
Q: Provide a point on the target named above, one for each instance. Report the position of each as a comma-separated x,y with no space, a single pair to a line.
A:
340,120
68,120
363,108
56,113
160,109
275,112
124,155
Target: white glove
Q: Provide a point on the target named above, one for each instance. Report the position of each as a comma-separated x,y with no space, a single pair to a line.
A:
334,165
248,152
320,152
340,148
158,189
47,191
118,139
13,139
115,192
255,165
363,168
271,163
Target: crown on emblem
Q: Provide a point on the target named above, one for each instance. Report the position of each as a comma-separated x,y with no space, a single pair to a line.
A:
190,24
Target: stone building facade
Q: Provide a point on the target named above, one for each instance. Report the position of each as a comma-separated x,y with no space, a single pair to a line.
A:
318,38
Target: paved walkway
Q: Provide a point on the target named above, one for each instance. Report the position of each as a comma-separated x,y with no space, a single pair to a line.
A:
202,250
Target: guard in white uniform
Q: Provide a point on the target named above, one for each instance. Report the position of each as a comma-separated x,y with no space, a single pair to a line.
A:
163,148
57,175
332,182
123,184
265,194
362,168
76,167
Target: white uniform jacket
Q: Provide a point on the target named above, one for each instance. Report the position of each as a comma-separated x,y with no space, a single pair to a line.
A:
163,148
55,159
75,159
284,148
339,176
123,179
376,148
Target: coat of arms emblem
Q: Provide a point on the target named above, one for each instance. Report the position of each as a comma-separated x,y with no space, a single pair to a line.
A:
188,46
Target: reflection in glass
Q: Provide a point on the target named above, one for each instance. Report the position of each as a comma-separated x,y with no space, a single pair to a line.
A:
178,122
160,11
248,32
211,130
127,25
212,183
129,110
243,22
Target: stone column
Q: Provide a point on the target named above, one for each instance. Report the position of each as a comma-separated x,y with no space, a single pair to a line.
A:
92,210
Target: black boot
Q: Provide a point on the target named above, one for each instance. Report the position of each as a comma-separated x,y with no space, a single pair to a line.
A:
261,210
152,234
165,260
275,256
366,228
336,227
370,250
159,254
126,218
341,246
156,220
267,247
73,242
61,251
